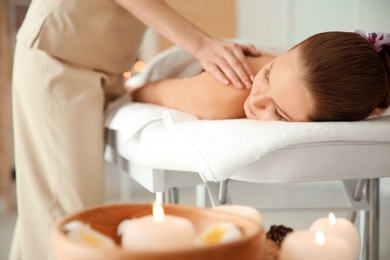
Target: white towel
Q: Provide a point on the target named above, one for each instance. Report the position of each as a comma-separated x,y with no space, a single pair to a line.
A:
223,147
174,62
130,117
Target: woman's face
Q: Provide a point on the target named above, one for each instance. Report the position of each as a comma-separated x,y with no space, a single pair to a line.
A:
278,92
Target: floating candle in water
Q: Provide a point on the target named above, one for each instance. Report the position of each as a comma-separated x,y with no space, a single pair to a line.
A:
339,227
157,232
309,245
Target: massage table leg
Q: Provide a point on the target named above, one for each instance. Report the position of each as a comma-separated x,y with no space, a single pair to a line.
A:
357,196
360,217
223,194
373,219
368,219
173,195
125,186
363,230
170,196
369,223
218,190
201,196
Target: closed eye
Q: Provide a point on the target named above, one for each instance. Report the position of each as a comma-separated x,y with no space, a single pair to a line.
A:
266,75
279,116
267,72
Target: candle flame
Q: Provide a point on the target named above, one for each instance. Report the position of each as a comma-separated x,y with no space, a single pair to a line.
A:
127,74
320,238
158,212
139,66
332,219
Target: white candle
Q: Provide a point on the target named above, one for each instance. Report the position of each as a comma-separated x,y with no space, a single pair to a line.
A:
244,211
157,232
309,245
339,227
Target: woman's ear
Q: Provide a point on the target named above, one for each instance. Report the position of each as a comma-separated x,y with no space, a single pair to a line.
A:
377,112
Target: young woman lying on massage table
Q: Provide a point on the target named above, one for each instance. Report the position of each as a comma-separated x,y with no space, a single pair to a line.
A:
332,76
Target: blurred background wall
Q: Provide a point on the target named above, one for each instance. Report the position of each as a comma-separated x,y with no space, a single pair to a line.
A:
287,22
276,23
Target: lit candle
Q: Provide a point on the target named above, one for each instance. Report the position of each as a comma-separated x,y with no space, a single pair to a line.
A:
309,245
244,211
157,232
341,227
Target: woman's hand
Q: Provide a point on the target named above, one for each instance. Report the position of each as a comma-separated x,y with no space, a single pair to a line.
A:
226,61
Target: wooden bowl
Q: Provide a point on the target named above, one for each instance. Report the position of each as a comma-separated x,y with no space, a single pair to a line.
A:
106,219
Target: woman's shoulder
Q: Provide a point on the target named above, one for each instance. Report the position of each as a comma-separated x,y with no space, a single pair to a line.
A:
257,63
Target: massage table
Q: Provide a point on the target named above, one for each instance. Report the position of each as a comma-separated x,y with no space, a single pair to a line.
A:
299,165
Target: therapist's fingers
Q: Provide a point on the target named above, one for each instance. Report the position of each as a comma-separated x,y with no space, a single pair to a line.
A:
227,63
240,70
214,70
234,71
250,50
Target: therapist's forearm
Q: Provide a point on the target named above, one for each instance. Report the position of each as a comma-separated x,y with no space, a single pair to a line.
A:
158,15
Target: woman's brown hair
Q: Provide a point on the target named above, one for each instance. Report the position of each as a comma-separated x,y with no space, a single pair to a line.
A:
347,78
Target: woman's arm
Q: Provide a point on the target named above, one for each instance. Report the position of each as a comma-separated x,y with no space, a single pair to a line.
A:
224,60
201,95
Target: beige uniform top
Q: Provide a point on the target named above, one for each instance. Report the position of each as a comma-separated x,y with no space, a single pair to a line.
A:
98,34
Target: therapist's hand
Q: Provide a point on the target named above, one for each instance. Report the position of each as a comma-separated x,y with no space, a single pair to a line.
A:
226,61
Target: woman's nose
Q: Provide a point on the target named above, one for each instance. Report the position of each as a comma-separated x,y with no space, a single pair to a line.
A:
262,102
263,107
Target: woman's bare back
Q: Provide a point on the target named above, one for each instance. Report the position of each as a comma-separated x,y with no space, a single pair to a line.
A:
201,95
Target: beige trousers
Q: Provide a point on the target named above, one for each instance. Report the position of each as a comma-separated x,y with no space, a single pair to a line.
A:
58,134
